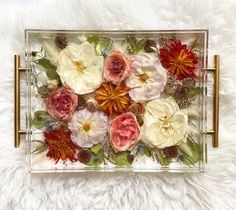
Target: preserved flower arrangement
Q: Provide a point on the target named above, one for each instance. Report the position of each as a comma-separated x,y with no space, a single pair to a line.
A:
104,102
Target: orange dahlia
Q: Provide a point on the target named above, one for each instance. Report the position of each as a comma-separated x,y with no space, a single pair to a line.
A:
60,145
178,60
113,99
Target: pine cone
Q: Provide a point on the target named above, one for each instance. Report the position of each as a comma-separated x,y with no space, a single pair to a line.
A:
43,91
81,103
61,41
84,156
150,46
91,106
137,108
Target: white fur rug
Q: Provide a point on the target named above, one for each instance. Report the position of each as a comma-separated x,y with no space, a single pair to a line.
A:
215,189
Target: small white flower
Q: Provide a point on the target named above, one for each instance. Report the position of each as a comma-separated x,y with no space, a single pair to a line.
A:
165,124
80,68
149,78
88,128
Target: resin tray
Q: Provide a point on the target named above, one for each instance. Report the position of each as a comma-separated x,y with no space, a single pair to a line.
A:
115,100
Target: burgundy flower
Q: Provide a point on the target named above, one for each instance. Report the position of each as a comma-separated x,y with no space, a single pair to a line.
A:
61,103
178,60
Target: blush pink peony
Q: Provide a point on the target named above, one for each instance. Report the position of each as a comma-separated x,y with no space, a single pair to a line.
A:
124,132
117,67
61,103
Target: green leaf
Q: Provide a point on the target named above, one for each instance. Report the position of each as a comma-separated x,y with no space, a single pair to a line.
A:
41,147
164,161
45,63
103,46
50,69
92,38
97,158
122,158
96,148
191,152
51,74
194,92
41,119
135,46
147,152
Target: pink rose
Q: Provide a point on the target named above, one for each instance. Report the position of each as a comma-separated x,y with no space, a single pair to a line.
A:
61,103
117,67
124,132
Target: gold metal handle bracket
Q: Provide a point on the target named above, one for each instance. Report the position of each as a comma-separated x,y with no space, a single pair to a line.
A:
215,128
17,128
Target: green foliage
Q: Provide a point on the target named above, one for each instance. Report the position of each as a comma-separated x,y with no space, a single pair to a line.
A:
45,63
103,45
164,161
92,38
147,152
97,158
134,46
122,158
50,69
41,119
194,91
190,152
96,148
94,156
41,147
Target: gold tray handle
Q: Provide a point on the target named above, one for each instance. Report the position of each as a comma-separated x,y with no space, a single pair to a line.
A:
17,128
215,128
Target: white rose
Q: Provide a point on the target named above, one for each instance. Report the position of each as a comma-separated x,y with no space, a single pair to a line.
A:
80,68
165,124
149,78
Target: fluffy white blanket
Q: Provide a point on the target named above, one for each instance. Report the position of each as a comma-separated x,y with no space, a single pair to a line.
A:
215,189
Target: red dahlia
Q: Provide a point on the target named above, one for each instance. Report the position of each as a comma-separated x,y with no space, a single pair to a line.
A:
60,144
178,60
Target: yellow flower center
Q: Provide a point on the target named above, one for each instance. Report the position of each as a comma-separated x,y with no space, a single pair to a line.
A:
180,60
80,66
165,122
167,129
86,127
143,77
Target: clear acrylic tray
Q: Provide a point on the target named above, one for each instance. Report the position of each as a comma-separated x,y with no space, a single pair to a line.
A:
116,100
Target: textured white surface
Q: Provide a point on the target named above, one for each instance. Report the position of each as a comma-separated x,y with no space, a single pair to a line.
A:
215,189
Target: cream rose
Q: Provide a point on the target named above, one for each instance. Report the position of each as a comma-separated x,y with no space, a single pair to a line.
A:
165,124
80,68
149,78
